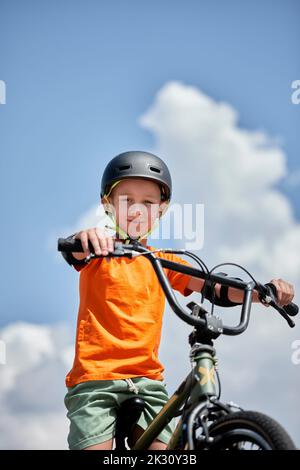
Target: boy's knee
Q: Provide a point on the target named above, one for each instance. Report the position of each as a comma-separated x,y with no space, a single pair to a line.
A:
157,445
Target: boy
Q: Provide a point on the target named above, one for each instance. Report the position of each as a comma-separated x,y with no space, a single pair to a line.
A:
121,308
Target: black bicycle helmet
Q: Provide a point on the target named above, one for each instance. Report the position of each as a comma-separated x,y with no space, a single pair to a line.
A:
136,164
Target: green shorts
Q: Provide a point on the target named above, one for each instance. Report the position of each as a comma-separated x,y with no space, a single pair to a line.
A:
92,408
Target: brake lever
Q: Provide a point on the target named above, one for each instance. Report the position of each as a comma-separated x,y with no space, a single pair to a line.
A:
269,297
283,313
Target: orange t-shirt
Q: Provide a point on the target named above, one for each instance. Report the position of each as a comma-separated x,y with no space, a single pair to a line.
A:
120,318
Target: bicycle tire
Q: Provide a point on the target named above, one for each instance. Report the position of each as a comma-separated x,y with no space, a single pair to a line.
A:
230,430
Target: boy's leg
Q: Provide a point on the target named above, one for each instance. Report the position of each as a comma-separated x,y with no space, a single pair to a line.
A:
156,444
107,445
92,411
155,395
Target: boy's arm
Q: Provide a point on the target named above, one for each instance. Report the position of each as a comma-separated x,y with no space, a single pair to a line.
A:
224,296
230,296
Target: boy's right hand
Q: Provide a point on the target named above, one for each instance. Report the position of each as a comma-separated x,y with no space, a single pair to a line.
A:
102,242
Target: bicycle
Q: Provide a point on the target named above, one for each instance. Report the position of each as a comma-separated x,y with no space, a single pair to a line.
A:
205,422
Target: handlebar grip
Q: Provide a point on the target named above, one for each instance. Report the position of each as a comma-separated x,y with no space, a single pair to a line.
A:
72,245
291,309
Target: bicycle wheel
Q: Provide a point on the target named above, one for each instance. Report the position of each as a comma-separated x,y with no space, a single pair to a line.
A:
249,430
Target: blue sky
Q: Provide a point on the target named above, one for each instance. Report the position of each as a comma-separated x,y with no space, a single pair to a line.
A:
78,76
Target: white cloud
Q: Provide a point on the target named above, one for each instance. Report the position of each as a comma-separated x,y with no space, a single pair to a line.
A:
233,172
32,387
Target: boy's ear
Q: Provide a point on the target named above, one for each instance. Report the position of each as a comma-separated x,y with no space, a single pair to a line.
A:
106,203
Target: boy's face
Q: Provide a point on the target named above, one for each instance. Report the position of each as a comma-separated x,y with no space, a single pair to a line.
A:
137,204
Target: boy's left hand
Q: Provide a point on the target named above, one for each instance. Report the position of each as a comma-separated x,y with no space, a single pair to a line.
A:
285,291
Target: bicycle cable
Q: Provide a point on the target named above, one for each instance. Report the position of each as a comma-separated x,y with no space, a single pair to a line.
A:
219,383
228,264
201,263
234,264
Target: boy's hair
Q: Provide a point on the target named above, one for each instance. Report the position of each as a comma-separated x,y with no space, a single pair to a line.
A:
113,185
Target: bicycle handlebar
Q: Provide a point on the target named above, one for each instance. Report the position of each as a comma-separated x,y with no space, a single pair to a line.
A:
136,249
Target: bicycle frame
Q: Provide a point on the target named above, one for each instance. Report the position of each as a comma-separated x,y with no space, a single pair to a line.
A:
198,385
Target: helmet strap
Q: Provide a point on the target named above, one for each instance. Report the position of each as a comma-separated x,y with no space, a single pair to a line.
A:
124,235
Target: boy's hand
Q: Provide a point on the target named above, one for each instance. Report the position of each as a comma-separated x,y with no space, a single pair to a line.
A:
285,291
102,242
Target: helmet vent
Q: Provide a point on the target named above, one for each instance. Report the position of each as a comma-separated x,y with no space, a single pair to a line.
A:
123,168
152,168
